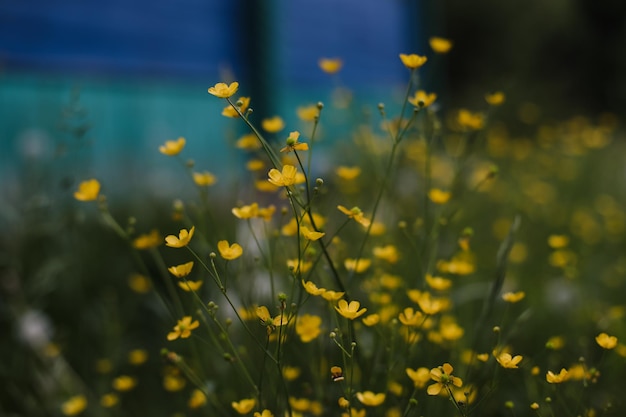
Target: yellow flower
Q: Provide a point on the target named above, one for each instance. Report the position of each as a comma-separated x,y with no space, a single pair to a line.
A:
508,361
248,142
301,267
388,253
229,111
246,212
266,320
229,252
87,190
419,376
370,399
371,320
148,240
308,327
183,328
348,173
124,383
311,234
109,400
356,214
422,99
309,113
293,144
173,382
427,303
495,98
172,147
74,405
244,406
197,399
440,45
438,283
513,297
330,295
283,178
139,283
357,265
204,179
223,90
469,120
413,61
534,406
343,402
182,270
438,196
137,357
182,240
264,413
409,317
330,66
312,289
350,311
443,378
291,373
558,241
605,341
273,125
553,378
190,286
266,213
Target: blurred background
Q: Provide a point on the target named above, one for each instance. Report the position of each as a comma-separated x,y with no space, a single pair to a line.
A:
128,76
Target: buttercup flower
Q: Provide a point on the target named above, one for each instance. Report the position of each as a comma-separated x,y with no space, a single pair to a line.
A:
330,66
74,405
273,125
229,111
422,99
311,288
308,327
413,61
223,90
137,357
553,378
311,234
444,378
558,241
605,341
197,399
410,317
419,376
182,270
348,173
283,178
309,113
371,320
513,297
147,241
87,190
301,266
109,400
264,413
248,142
370,399
469,120
204,179
350,311
183,239
357,265
229,252
293,144
440,45
172,147
438,283
388,253
244,406
495,99
266,319
508,361
330,295
183,328
438,196
246,212
356,214
190,286
124,383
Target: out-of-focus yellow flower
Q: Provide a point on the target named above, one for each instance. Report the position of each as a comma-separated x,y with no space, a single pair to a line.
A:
197,399
410,317
443,378
229,111
506,360
308,113
426,302
388,253
148,240
558,241
183,239
190,286
283,178
370,399
248,142
330,65
183,328
173,381
291,373
264,413
74,405
438,283
87,190
255,165
182,270
204,179
244,406
348,173
330,295
553,378
246,212
419,376
468,120
266,319
172,147
293,144
273,124
343,402
438,196
139,283
513,297
555,343
302,266
357,265
124,383
311,234
440,45
266,213
229,252
371,320
350,311
413,61
422,99
356,214
495,99
223,90
308,327
605,341
137,357
109,400
312,289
